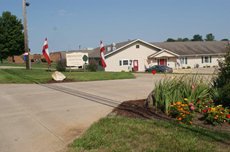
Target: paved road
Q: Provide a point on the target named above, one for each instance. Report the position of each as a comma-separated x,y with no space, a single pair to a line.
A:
34,118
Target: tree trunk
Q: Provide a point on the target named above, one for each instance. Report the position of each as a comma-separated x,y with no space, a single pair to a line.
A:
1,60
13,59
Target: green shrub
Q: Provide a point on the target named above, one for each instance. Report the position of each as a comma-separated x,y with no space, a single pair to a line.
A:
222,83
61,66
188,67
43,60
92,66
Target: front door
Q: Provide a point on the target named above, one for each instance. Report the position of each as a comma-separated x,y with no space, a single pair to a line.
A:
135,65
162,62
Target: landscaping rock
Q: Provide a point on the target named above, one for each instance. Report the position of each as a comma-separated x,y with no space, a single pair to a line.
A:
58,76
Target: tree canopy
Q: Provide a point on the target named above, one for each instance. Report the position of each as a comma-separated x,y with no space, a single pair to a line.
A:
210,37
177,40
11,35
197,37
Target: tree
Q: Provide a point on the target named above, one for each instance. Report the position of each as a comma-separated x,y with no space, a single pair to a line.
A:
222,83
197,37
179,39
185,39
170,40
210,37
225,40
11,36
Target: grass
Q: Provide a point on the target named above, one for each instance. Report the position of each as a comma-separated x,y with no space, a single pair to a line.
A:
33,65
121,134
42,76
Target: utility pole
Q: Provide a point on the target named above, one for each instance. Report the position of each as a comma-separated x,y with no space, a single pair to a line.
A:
28,63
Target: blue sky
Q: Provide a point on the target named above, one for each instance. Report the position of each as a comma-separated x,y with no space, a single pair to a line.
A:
70,23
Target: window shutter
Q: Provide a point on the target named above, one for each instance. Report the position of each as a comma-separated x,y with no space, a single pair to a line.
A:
120,62
202,59
210,59
186,62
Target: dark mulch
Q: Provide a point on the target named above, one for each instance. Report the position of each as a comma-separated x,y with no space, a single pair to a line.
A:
137,109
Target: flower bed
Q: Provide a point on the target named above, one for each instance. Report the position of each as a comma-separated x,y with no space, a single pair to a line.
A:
184,97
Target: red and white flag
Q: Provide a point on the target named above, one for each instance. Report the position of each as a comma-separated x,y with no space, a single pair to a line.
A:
45,51
102,54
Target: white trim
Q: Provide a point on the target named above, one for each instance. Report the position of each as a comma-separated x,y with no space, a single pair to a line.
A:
164,50
137,40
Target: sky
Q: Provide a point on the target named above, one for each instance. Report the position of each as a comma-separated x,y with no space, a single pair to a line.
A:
74,24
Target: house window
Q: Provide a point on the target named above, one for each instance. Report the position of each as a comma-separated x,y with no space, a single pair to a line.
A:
184,60
125,62
206,59
137,46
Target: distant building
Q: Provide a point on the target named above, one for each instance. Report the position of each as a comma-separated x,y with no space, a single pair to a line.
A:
137,55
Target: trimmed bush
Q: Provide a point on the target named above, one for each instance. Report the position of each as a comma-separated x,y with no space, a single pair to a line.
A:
61,66
43,60
92,66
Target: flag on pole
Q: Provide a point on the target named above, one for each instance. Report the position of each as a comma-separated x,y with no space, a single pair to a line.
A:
102,54
45,52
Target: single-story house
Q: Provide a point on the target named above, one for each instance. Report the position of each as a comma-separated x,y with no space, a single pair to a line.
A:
137,55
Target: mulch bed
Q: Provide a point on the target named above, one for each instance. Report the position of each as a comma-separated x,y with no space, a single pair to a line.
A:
137,109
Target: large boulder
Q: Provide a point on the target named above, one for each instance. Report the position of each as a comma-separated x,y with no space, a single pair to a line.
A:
58,76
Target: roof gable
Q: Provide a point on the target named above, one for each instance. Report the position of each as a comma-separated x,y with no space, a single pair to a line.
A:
163,53
120,47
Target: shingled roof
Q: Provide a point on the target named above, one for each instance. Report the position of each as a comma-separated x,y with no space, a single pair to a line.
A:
95,53
194,48
189,48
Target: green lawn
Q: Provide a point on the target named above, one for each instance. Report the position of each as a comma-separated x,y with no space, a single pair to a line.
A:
42,76
33,65
121,134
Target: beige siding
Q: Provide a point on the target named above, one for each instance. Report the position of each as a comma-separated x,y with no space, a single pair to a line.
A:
129,53
192,61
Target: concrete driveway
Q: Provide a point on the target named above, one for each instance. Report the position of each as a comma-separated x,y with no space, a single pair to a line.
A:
35,118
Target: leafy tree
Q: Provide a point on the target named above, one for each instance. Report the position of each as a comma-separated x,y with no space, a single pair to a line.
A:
197,37
185,39
170,40
179,40
222,83
11,36
225,40
210,37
